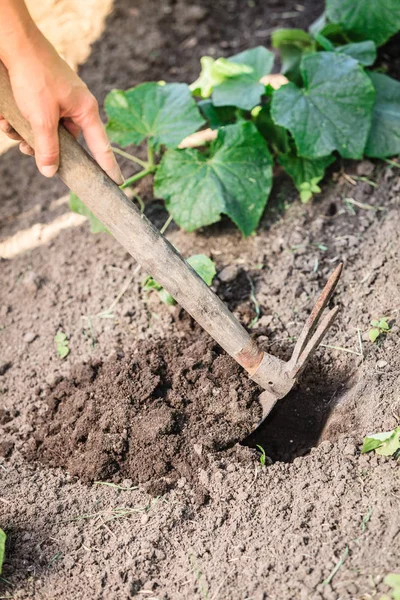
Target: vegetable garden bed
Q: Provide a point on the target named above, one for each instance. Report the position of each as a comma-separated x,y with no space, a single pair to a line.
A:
144,402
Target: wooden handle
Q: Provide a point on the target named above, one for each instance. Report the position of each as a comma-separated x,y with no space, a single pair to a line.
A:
139,237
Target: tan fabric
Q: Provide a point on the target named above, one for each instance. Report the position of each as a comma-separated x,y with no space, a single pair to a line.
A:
72,26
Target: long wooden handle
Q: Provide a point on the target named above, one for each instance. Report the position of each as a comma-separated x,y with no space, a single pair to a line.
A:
139,237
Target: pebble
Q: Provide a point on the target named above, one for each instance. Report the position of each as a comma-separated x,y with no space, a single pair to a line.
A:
195,12
198,448
265,321
365,168
229,273
31,281
349,450
144,519
326,446
29,337
381,364
4,367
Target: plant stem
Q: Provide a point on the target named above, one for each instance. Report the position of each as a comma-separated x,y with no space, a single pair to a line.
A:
150,155
134,159
137,177
166,225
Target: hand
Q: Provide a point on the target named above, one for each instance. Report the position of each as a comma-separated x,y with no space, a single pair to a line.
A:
46,91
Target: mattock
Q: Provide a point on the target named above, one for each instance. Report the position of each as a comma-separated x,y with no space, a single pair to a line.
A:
161,260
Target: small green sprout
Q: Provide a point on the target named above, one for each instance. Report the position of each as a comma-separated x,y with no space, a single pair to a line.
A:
203,265
379,327
62,344
393,581
3,538
263,456
386,443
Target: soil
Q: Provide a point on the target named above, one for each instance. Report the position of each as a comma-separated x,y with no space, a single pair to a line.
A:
120,472
169,405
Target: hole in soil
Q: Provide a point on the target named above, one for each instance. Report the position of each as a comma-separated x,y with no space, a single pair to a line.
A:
332,209
296,423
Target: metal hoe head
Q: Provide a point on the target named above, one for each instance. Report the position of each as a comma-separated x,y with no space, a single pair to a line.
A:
278,377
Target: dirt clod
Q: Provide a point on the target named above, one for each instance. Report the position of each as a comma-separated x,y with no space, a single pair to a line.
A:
146,415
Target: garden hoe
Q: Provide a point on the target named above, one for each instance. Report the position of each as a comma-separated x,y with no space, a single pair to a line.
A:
164,263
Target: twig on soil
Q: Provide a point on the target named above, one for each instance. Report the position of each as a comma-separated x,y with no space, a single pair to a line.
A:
214,596
365,520
336,568
55,557
254,301
366,180
340,349
392,163
116,486
363,205
360,344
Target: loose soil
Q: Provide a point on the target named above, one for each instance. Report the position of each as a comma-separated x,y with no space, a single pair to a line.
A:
152,416
120,472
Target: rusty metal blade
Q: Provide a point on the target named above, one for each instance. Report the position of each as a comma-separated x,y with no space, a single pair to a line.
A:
313,320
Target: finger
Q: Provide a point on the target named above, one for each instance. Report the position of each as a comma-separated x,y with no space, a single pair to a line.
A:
97,140
72,127
45,132
6,128
26,149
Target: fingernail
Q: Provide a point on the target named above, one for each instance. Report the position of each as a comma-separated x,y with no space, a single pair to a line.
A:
117,176
49,170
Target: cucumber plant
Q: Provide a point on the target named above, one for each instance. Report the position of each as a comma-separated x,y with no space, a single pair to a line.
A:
332,104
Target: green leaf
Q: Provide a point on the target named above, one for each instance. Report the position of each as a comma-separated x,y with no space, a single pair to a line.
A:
234,81
386,443
277,137
363,52
383,324
244,89
203,86
375,20
299,37
333,31
373,334
3,538
306,173
391,445
292,44
392,580
234,178
164,114
332,112
217,116
324,42
204,266
384,137
166,297
150,284
375,323
77,206
62,346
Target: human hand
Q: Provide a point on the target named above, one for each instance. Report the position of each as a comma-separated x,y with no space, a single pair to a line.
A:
46,91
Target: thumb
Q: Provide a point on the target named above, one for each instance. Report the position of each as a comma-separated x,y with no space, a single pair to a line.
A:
47,150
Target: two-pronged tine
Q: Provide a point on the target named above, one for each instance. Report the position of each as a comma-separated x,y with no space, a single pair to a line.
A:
315,328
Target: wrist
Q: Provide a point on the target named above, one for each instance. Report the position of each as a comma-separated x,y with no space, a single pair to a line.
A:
18,38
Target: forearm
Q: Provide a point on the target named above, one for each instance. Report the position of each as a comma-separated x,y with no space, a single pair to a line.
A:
18,32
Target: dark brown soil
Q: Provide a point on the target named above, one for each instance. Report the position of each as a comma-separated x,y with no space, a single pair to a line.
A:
152,417
228,529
